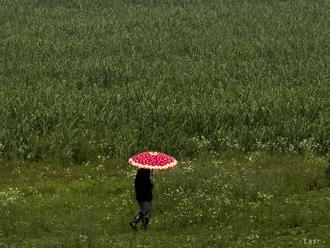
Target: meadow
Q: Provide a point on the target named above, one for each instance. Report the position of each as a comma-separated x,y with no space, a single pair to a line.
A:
237,90
223,201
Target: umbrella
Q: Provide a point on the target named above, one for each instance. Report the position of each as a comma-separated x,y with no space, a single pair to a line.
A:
153,161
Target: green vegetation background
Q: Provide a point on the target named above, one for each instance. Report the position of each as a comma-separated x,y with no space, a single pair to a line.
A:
83,78
231,83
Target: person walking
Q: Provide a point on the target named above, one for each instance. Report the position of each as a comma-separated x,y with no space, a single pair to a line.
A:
143,195
146,162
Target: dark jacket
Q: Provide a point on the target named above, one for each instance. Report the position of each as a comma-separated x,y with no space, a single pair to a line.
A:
143,186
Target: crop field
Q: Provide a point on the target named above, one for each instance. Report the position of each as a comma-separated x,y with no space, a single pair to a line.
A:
82,78
237,90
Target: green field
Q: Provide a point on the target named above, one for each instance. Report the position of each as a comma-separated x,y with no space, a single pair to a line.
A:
237,90
227,201
87,78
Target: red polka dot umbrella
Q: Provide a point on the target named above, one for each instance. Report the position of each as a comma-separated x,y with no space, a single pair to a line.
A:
153,161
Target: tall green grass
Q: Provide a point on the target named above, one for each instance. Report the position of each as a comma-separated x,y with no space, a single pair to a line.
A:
80,79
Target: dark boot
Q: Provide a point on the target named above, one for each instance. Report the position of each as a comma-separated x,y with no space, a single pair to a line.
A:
145,222
133,226
135,221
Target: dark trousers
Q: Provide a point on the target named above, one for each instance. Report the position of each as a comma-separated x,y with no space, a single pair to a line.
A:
143,214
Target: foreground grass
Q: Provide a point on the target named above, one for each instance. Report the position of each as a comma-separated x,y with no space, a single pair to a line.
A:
252,200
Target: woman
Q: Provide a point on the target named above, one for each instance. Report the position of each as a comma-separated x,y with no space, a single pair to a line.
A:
143,193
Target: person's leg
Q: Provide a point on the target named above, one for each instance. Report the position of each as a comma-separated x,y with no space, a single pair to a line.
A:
146,209
137,217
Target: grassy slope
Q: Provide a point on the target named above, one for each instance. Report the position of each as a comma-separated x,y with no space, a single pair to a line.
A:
231,201
82,75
